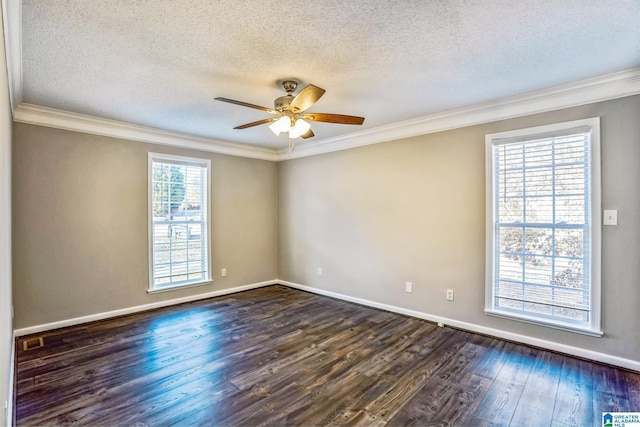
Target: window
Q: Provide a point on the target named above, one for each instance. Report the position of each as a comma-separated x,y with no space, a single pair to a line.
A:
178,222
543,225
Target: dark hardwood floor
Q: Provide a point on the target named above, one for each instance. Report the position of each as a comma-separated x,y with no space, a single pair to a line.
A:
277,356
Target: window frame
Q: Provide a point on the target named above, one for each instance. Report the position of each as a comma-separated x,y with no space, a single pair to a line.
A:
591,125
182,160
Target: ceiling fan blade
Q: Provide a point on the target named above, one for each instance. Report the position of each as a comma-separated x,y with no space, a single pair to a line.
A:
246,104
306,98
334,118
307,134
259,122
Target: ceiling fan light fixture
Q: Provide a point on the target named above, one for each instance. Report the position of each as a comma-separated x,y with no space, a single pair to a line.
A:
283,124
290,108
299,128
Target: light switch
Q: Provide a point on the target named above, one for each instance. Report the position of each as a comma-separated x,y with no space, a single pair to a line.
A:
610,217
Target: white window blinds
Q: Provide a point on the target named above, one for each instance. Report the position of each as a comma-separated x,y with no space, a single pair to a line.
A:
542,227
179,206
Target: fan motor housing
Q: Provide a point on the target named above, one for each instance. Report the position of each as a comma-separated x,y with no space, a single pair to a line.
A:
282,103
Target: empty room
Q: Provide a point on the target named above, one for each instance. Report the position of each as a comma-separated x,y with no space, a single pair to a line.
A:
366,212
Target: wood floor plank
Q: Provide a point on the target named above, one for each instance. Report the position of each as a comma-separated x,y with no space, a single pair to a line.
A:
608,381
493,360
366,419
403,388
101,373
331,400
442,402
148,342
279,356
574,400
540,391
609,402
634,389
141,375
501,400
461,362
213,415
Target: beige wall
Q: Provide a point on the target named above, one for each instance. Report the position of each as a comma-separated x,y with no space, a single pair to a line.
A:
414,210
372,217
80,243
6,328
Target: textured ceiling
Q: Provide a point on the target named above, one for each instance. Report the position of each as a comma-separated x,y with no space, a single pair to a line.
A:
160,63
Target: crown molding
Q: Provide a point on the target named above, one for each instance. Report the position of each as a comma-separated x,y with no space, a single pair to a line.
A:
51,117
12,17
610,86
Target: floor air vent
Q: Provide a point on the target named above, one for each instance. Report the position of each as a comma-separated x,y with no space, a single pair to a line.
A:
33,343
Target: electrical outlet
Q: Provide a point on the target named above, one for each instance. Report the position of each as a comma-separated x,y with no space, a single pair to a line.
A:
449,294
224,272
319,271
408,287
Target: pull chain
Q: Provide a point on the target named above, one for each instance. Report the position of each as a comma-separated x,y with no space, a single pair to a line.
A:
291,145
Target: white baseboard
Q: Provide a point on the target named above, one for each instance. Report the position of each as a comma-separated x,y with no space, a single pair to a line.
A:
537,342
498,333
114,313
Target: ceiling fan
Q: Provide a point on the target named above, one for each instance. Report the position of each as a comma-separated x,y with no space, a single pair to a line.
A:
290,112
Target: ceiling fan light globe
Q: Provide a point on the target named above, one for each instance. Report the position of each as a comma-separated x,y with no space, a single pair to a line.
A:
299,128
283,124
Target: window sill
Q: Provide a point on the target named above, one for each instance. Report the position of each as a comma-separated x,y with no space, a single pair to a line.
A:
178,287
539,322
